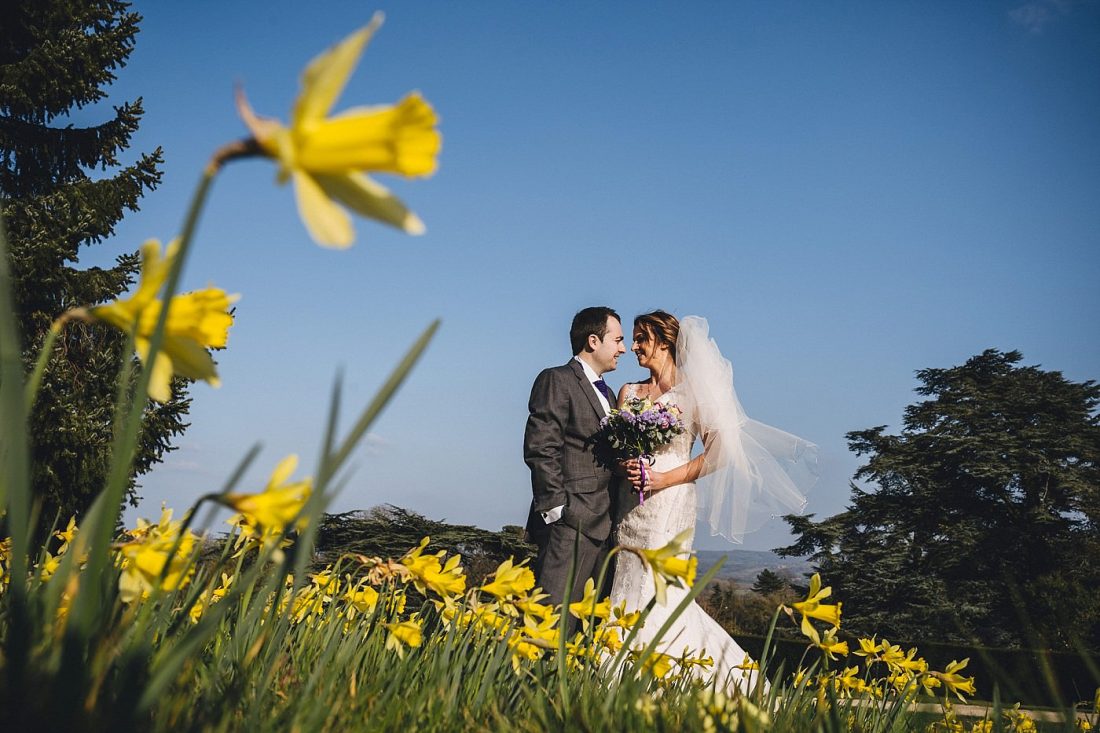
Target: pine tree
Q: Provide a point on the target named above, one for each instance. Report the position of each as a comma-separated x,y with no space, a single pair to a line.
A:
768,582
57,56
985,521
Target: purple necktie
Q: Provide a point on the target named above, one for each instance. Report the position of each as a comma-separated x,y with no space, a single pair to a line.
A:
604,389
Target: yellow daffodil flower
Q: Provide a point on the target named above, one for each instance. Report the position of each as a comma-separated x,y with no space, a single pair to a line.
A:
625,619
49,566
211,597
428,573
146,558
362,599
196,322
812,607
608,638
869,647
530,643
658,664
747,664
404,634
328,157
532,608
847,682
687,661
830,646
667,567
928,683
912,663
955,682
510,580
891,654
279,503
66,536
588,608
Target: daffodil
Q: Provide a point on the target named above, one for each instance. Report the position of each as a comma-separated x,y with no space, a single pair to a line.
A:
658,664
362,599
830,646
328,157
624,619
667,567
510,580
847,682
66,535
404,634
49,566
211,597
154,554
687,661
531,607
588,607
196,322
954,681
429,573
748,664
813,607
279,503
530,642
869,647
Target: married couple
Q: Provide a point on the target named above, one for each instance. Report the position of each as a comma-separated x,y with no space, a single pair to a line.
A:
746,471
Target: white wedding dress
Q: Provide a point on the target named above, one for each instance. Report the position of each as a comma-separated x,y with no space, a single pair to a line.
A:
654,524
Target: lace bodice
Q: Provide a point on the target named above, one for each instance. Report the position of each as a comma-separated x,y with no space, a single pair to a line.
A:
666,513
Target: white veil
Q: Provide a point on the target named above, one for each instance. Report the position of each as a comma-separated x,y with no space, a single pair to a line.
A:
752,472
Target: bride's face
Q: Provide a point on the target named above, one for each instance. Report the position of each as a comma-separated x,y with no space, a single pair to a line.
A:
650,353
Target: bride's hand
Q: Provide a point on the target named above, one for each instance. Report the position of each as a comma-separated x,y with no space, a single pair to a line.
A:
654,480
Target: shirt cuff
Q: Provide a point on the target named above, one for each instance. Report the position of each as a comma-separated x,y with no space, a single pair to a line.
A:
552,515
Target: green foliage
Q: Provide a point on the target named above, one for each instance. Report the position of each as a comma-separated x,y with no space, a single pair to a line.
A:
985,523
57,56
739,611
768,582
390,531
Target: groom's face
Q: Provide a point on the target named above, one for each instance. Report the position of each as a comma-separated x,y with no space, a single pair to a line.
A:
606,353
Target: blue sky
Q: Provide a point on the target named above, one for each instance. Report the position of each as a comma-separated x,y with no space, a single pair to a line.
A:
849,192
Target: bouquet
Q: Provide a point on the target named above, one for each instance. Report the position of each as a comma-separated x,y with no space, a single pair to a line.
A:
640,428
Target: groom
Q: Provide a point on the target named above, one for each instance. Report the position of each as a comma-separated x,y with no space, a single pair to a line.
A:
571,479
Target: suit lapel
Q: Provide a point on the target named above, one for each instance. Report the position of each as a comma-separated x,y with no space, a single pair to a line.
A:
587,388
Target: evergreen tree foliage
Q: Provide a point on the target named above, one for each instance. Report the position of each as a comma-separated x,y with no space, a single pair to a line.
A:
63,189
768,582
390,531
984,524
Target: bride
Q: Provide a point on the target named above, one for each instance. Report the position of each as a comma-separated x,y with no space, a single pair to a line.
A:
746,472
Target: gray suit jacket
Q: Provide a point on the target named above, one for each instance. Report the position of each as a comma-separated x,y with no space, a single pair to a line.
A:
570,465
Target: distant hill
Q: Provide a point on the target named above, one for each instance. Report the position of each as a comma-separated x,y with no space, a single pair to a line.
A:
742,566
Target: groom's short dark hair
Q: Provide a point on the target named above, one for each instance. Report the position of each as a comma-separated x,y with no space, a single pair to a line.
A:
590,321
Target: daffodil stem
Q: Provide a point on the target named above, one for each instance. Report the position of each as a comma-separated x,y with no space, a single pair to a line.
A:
246,148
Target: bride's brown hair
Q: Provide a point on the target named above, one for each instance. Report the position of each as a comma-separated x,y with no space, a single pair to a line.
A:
662,327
